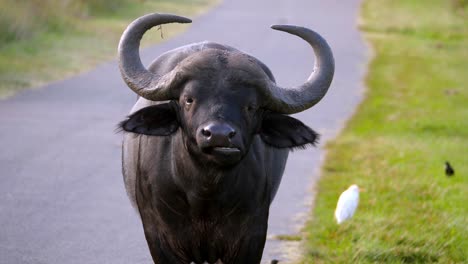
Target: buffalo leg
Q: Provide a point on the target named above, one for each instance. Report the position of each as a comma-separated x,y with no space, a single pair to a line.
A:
250,251
159,253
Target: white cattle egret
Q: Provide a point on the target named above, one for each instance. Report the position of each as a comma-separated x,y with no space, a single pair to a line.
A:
347,204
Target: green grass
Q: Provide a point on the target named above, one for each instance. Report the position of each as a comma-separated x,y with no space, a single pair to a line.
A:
288,237
48,40
414,117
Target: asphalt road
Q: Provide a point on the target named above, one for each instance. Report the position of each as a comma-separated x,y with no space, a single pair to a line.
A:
62,198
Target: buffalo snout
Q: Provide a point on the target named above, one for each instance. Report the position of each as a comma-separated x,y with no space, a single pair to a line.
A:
217,134
220,140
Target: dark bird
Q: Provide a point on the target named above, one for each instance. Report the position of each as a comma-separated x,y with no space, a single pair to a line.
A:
449,171
274,261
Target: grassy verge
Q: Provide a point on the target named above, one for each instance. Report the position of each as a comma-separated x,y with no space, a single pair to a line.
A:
414,117
50,47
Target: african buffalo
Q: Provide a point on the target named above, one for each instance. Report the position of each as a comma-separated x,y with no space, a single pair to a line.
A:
208,143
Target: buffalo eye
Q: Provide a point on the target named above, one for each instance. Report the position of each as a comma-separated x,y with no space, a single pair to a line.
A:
188,101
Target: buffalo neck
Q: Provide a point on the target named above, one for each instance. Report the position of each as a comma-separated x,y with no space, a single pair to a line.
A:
212,186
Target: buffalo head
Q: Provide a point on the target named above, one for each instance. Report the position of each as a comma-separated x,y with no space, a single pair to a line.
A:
219,97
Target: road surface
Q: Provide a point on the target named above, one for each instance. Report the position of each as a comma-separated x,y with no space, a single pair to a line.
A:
62,198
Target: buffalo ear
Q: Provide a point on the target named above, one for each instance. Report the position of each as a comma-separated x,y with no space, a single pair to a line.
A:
155,120
282,131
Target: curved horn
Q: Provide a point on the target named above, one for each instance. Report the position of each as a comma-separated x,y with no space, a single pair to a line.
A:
137,77
297,99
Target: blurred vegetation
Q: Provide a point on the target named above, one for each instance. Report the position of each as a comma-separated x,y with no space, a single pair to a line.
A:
22,20
413,119
47,40
459,5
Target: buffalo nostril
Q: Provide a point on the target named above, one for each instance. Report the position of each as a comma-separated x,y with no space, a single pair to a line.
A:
232,134
206,132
